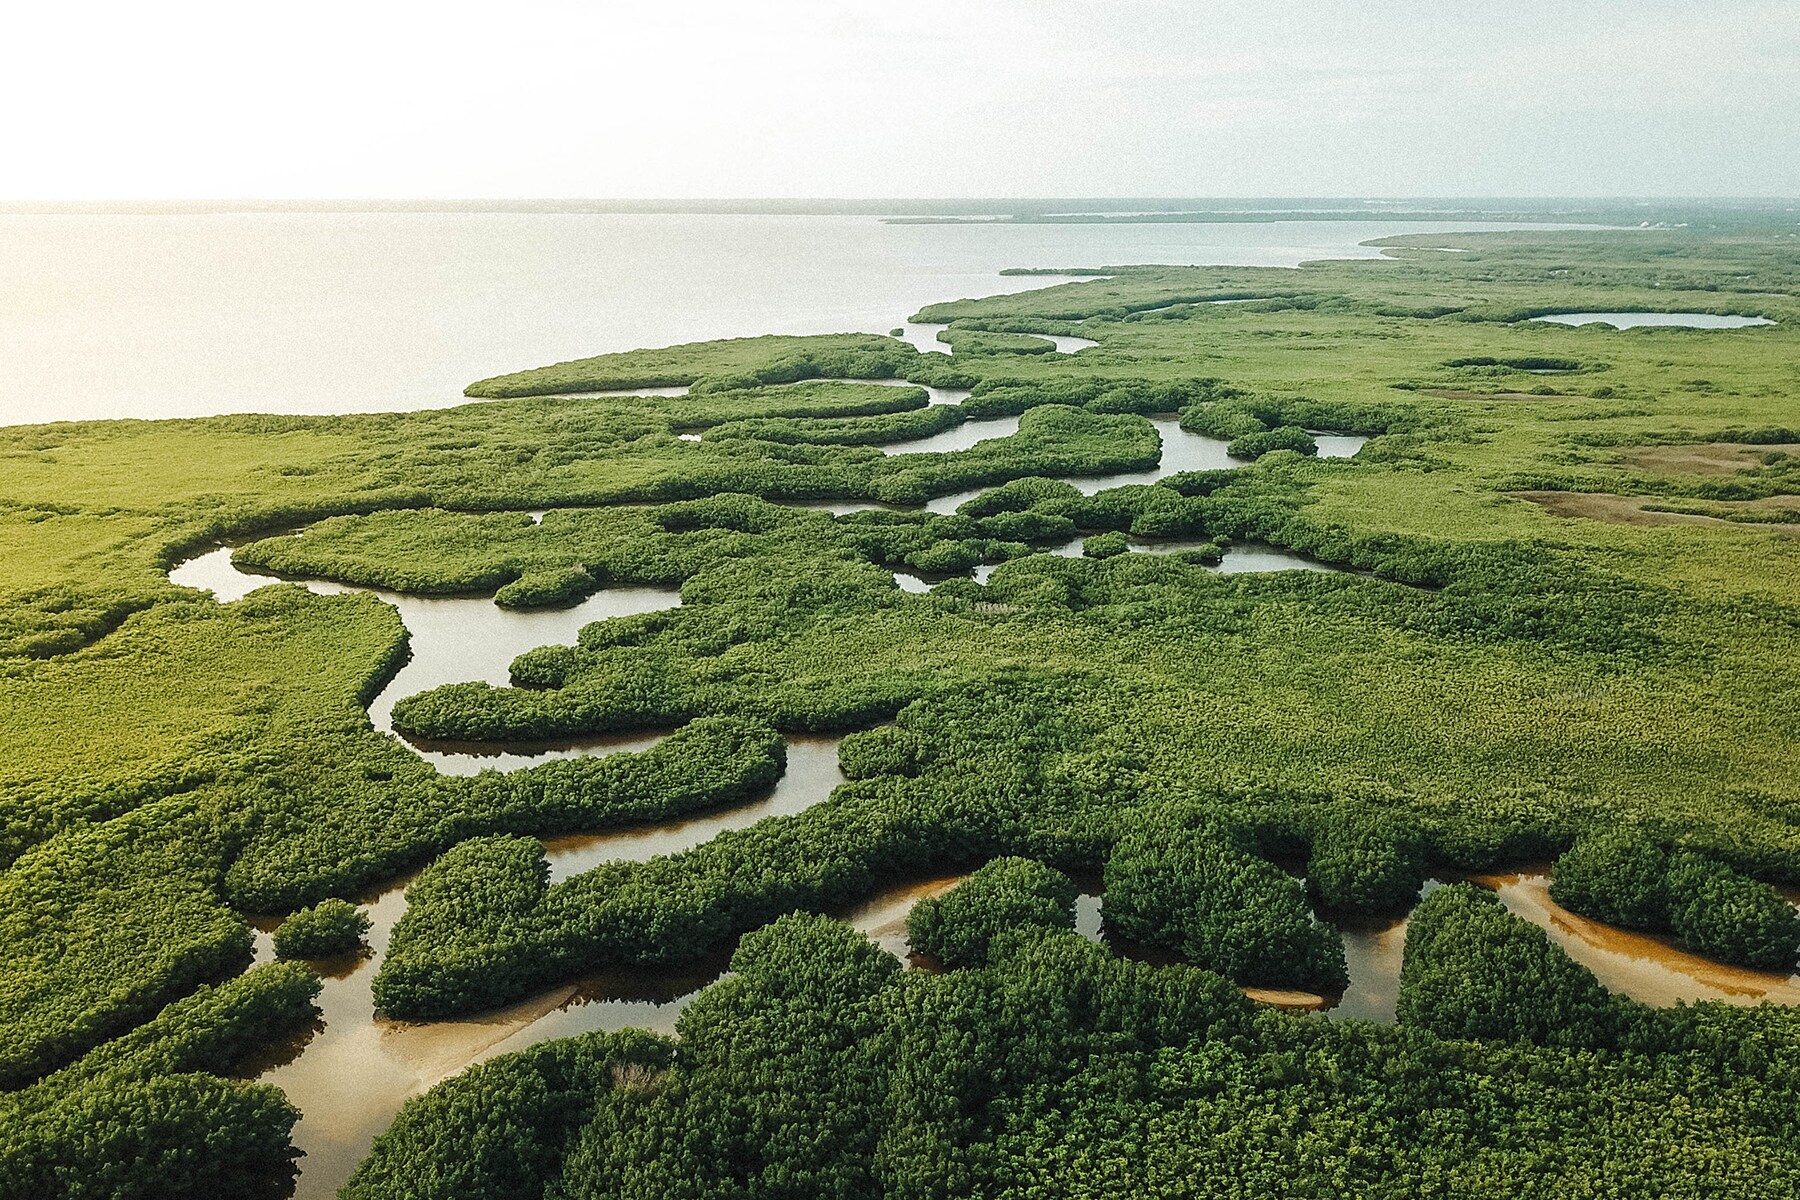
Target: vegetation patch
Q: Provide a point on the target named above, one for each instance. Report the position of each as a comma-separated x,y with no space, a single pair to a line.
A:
1245,758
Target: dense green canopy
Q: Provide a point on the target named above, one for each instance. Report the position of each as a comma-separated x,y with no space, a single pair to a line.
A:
1562,619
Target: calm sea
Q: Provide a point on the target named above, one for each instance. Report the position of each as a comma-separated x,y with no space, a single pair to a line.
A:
208,312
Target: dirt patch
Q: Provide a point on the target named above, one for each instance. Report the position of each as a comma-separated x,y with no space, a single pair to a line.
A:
1631,510
1784,503
1702,458
1604,506
1282,998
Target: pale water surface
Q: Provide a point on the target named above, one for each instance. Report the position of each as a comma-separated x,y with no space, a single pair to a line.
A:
1632,320
186,314
176,315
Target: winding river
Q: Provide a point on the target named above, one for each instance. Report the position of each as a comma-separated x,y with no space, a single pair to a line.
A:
454,640
351,1073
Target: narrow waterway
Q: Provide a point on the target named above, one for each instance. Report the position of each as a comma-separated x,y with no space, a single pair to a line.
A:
1648,968
1182,450
351,1074
454,640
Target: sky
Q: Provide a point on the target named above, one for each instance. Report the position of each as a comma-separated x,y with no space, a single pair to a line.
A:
927,98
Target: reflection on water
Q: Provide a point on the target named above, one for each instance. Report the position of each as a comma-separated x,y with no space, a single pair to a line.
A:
882,919
455,640
1372,952
1339,445
1629,320
349,1078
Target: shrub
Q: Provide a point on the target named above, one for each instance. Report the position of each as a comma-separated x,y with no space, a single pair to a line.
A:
327,929
1624,878
1473,970
547,589
1730,917
1366,862
1617,876
1198,889
1287,437
1105,545
1008,893
1028,526
502,1128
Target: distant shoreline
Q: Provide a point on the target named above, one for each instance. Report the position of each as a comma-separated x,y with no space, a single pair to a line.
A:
1004,210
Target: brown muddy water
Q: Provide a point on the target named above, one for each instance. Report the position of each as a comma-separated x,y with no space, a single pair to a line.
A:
351,1074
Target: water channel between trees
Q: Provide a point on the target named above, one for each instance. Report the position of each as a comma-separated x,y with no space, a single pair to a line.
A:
353,1071
351,1074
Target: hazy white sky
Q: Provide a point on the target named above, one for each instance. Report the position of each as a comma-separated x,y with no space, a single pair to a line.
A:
197,98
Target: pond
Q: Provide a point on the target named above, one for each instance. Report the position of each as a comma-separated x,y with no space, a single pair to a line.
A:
1630,320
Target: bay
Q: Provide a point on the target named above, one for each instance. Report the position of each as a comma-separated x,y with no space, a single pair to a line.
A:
204,311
